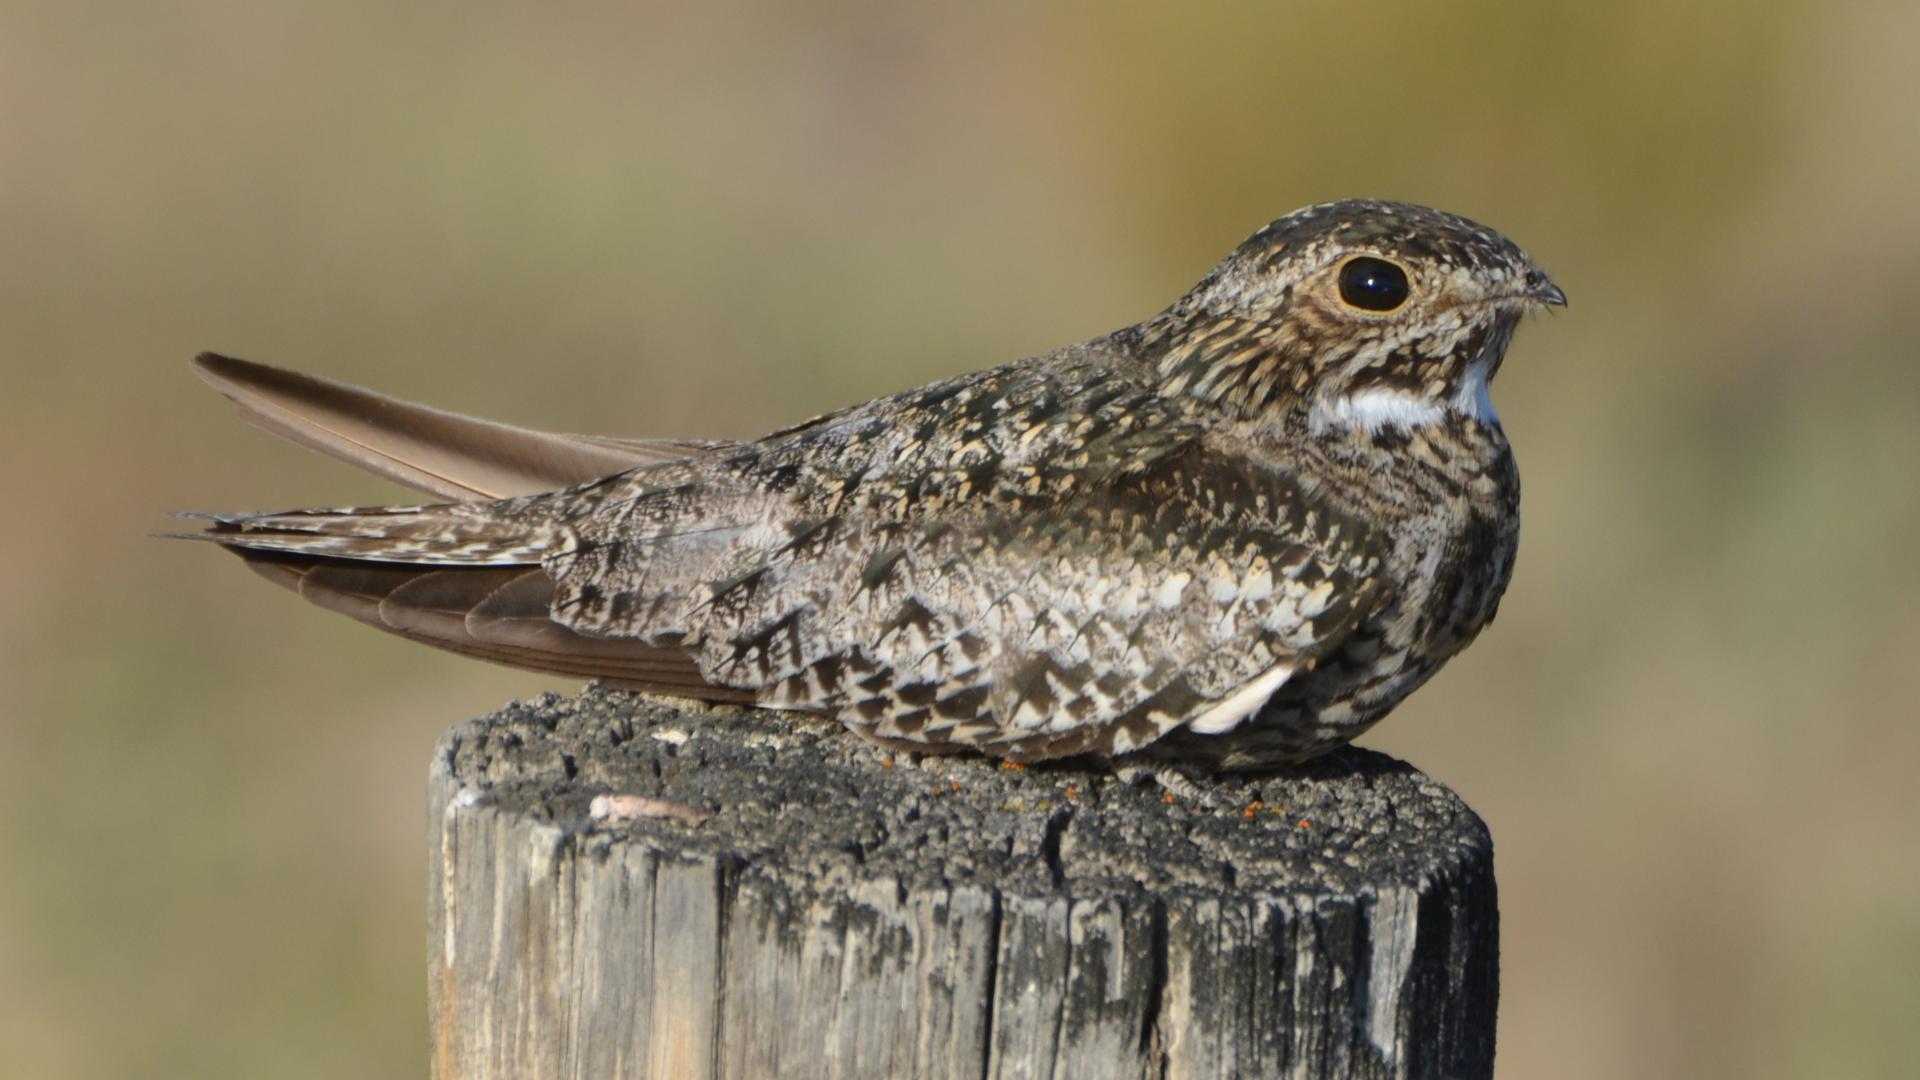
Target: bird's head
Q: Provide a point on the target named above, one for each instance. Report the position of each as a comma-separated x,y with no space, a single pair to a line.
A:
1353,315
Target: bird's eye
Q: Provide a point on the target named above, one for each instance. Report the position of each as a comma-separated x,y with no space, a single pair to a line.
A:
1372,284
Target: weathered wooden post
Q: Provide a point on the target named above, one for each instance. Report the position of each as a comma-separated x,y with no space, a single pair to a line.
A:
619,888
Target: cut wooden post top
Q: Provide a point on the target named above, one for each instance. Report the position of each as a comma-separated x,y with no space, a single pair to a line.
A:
780,792
630,886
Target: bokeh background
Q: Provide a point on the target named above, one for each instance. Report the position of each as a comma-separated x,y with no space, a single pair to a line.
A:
1692,730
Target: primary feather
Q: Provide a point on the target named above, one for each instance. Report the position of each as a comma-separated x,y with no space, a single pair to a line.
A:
427,449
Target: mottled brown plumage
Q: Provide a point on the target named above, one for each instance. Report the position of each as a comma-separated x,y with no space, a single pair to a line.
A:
1233,535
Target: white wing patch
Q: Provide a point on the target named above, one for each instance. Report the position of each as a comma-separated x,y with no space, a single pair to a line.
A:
1234,709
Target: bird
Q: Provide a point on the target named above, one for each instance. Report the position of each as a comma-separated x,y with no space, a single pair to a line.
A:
1230,537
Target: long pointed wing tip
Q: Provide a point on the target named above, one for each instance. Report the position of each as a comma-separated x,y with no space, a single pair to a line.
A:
216,368
452,457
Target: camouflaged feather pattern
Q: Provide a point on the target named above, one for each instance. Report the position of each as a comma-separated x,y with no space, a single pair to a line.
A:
1236,534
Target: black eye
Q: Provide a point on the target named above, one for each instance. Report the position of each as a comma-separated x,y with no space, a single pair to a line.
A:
1373,284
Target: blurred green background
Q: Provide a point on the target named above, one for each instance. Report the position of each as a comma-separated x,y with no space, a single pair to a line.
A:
1692,730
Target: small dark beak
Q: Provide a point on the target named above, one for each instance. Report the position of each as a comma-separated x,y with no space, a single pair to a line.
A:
1542,290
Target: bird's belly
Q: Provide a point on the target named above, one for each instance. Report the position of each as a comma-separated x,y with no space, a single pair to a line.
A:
1442,608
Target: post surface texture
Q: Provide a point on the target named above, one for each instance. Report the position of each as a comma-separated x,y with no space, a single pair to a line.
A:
755,896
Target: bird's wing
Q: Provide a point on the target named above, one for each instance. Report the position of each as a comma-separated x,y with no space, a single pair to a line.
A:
1035,562
440,453
1040,560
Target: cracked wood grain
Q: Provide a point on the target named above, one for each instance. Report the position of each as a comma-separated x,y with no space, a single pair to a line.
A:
823,908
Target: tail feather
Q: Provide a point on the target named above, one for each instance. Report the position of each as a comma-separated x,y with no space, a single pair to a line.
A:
464,576
450,534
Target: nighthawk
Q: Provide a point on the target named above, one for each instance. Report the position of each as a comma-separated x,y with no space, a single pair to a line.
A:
1231,536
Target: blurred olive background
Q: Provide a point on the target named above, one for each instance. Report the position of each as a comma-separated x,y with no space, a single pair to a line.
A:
1692,730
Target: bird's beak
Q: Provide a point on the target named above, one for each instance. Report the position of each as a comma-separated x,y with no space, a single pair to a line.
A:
1541,290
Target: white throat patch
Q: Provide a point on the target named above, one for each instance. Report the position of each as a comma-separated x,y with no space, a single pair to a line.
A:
1374,409
1378,408
1475,400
